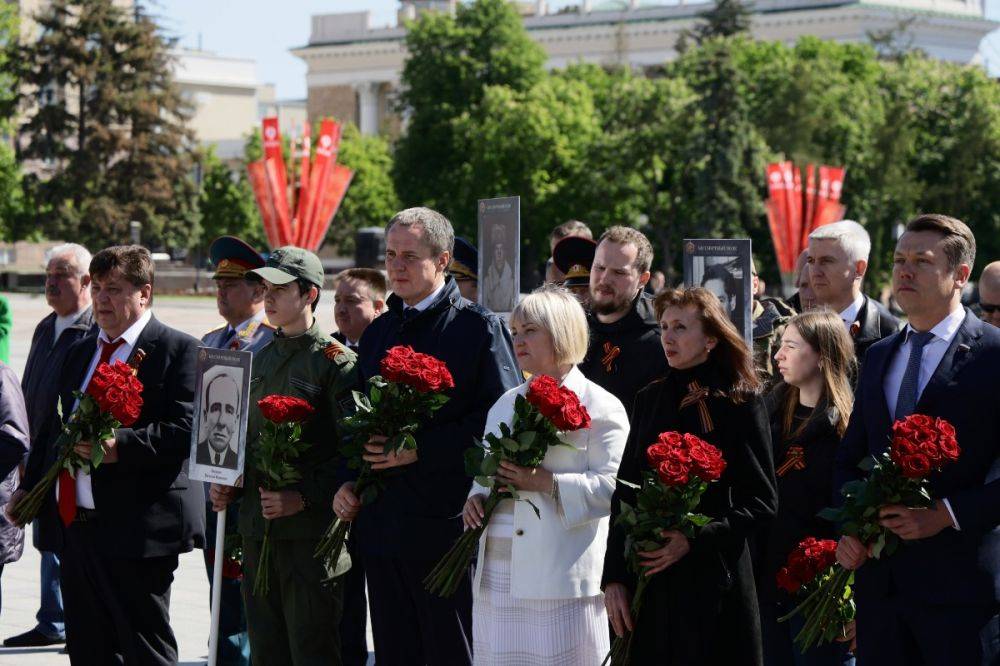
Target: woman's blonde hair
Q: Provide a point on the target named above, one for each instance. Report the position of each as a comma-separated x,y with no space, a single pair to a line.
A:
824,331
558,312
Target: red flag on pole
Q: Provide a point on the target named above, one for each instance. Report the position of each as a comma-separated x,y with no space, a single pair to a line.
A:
319,176
340,180
279,183
262,194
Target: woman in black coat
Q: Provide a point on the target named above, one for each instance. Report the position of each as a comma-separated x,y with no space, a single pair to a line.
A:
809,413
700,607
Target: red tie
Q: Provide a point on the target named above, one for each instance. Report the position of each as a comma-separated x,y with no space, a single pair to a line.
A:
67,484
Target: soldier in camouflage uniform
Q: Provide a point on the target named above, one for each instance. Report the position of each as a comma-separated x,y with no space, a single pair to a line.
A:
296,621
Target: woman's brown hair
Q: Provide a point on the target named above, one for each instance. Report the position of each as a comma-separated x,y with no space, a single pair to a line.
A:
824,331
731,355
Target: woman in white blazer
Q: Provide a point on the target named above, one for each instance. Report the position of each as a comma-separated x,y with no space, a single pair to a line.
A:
536,593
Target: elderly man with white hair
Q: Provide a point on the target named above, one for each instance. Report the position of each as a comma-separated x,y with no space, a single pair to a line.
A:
67,290
838,261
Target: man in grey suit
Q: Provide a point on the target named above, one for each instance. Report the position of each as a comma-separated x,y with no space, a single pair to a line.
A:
67,290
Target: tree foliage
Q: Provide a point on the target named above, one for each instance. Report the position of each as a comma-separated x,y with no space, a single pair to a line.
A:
226,204
105,129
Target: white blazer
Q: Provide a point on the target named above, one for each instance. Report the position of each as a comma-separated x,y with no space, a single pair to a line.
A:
561,554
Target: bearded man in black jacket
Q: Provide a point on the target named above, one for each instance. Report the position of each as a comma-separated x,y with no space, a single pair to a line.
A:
625,352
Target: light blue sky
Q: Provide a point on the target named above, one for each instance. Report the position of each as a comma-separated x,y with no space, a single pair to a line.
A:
265,30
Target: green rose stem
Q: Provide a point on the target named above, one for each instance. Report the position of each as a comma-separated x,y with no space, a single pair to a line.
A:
621,649
28,507
444,578
331,545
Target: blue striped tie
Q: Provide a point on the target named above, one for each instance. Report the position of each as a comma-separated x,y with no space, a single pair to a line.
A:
906,401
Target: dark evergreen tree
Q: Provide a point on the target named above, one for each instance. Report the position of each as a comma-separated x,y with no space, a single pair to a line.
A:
105,131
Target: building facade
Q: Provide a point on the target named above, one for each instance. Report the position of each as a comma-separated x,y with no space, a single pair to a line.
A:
354,69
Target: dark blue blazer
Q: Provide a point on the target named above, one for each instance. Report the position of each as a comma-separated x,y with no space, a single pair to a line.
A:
953,567
419,509
147,506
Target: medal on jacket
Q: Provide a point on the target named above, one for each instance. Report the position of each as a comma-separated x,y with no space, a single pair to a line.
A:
697,395
854,329
795,458
611,352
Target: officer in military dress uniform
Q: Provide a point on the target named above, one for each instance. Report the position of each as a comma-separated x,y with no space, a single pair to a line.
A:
240,299
464,267
295,621
573,256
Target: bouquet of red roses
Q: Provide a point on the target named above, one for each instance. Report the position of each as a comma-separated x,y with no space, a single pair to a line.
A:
919,446
113,399
409,387
279,444
810,565
682,467
539,416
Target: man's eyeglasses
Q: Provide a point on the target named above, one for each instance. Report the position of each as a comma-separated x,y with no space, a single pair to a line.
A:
989,308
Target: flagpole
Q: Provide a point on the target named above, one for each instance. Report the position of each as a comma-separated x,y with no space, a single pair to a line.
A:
220,555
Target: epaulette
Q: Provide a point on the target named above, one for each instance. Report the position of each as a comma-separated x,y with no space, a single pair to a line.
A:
214,330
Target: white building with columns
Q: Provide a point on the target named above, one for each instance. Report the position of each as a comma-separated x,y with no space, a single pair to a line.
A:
353,68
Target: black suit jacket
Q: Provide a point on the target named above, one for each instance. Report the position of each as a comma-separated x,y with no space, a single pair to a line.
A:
874,323
146,505
959,567
204,458
418,511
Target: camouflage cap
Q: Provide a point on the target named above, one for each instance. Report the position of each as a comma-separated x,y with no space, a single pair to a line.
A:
289,263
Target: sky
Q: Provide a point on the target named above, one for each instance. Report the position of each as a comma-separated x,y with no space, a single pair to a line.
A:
265,30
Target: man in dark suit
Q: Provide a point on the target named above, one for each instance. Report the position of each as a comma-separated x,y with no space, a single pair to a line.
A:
121,528
837,261
417,516
935,600
67,291
359,298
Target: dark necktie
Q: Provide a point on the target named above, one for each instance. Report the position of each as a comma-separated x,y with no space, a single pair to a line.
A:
67,484
230,334
410,313
906,401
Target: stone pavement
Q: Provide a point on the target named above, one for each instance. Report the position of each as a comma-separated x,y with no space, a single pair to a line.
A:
189,603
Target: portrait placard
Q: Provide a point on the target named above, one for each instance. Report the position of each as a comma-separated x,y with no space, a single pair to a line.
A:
723,266
499,253
221,407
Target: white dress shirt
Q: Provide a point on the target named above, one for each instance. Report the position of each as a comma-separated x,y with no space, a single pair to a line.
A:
944,332
426,303
850,314
84,488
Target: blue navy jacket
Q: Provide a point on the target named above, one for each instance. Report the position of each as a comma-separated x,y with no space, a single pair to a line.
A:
954,566
419,509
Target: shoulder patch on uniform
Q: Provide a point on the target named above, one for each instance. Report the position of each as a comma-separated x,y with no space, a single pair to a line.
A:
215,330
335,351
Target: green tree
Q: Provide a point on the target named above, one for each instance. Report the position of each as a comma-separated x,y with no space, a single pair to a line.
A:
11,198
452,61
106,122
371,199
226,204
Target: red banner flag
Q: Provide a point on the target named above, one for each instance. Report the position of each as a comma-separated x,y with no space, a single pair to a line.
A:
340,180
279,182
262,194
327,145
302,199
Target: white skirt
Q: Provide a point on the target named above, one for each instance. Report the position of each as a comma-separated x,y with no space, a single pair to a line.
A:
531,632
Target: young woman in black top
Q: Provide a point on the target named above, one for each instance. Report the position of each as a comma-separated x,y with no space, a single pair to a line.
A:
808,412
700,607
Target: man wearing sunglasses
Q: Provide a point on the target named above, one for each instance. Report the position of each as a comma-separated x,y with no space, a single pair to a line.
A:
989,294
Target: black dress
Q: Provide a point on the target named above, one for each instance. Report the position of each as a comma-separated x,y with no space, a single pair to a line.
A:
804,488
703,609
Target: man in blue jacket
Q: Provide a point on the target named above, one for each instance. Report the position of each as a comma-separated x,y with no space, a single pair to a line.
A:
935,600
417,516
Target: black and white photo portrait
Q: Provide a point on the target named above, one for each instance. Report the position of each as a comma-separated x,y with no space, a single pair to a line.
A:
218,437
499,253
723,267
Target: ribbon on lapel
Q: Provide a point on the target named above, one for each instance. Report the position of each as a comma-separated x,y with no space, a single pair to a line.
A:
697,395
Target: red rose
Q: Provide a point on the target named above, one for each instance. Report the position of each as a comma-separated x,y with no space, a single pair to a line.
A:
948,448
708,462
672,439
946,429
573,416
915,466
285,409
672,473
657,453
786,581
